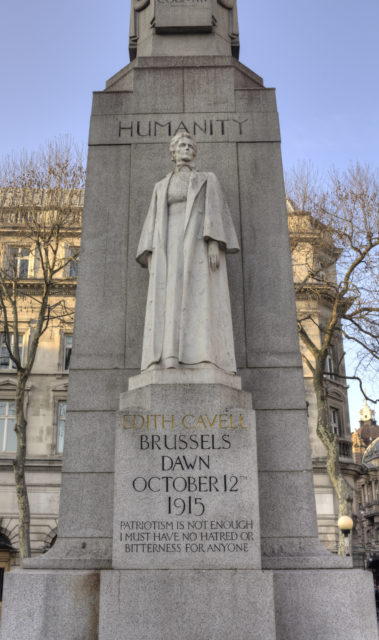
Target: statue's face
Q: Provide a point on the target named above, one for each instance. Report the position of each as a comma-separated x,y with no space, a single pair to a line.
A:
185,151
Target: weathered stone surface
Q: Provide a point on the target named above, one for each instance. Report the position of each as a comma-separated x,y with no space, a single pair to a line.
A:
324,604
269,298
75,553
63,605
123,80
193,604
287,504
282,441
274,388
209,90
103,262
186,490
164,98
184,376
183,18
97,389
90,434
255,99
185,397
86,505
300,553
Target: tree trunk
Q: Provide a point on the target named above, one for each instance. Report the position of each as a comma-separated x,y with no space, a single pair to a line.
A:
19,470
330,442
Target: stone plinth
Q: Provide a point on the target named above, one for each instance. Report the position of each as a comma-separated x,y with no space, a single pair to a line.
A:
47,605
165,605
327,605
186,482
203,375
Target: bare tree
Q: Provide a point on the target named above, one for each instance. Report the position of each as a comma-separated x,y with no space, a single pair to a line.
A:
40,201
335,230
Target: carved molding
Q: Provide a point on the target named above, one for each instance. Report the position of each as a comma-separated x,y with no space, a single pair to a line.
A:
9,384
60,388
228,4
141,4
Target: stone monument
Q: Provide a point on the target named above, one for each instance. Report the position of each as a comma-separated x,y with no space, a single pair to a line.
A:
187,504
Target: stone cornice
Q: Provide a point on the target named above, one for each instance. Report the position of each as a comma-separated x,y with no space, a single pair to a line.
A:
33,464
33,286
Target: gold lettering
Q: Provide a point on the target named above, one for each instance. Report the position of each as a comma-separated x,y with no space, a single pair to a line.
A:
221,419
242,426
213,422
186,426
134,425
155,416
141,425
201,421
172,419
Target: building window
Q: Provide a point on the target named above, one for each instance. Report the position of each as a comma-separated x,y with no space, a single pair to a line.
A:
74,262
335,420
2,571
19,262
8,439
62,405
329,365
67,349
5,361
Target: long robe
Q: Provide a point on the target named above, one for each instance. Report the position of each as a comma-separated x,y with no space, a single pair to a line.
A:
204,313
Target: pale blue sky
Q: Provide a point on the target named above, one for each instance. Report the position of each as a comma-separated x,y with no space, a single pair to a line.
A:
322,57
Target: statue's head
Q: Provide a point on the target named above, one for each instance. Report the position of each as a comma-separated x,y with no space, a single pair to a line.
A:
183,148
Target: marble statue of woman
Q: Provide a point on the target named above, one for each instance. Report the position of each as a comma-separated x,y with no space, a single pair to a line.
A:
186,234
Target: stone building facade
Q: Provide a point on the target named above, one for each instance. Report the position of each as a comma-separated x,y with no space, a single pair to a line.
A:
46,390
309,254
366,452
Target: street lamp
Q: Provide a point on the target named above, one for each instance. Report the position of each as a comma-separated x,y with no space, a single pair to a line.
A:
345,525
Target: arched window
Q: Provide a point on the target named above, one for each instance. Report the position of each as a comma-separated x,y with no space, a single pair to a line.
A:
5,561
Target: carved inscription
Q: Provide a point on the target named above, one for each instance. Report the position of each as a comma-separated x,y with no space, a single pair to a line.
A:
158,128
188,536
205,127
189,489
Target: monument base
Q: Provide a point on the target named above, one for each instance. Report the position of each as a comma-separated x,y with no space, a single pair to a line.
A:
42,605
166,605
221,604
186,375
327,604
